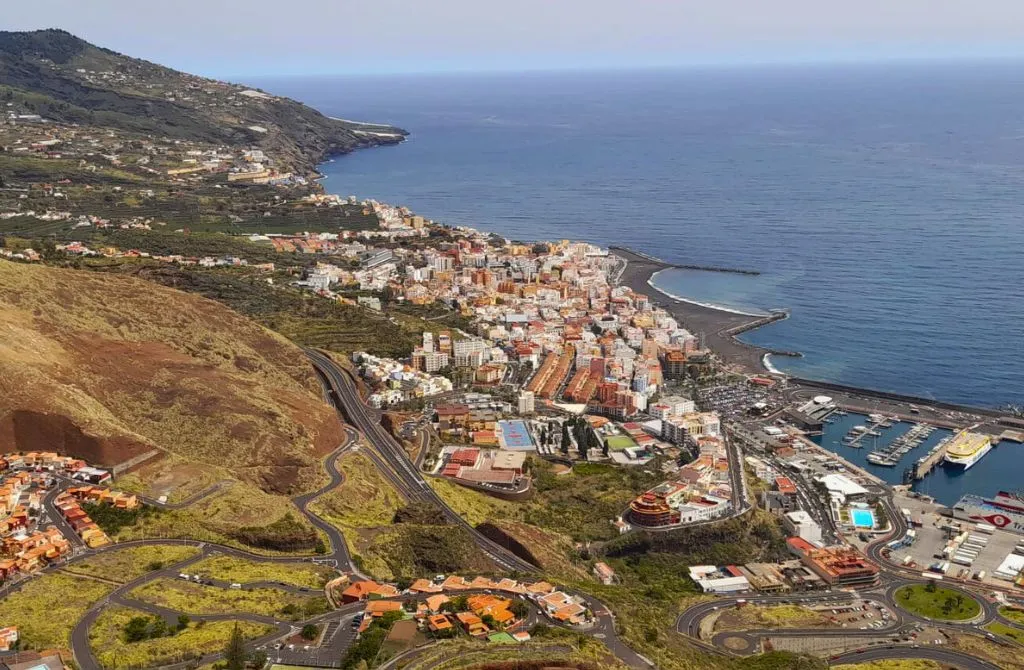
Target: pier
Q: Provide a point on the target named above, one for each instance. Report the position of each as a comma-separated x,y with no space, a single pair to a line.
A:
927,463
703,268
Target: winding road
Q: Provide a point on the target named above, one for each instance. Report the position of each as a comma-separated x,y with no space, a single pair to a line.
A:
902,626
393,463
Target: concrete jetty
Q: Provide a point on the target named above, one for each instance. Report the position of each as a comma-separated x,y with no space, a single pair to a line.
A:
927,463
703,268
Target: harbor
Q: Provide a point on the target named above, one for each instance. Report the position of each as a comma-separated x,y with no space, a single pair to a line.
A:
879,443
891,455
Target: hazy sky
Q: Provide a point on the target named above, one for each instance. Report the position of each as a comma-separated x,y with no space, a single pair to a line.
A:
252,37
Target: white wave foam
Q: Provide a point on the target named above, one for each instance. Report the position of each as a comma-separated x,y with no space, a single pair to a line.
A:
767,361
709,305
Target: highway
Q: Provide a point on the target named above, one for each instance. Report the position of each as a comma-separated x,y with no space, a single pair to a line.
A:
393,462
400,469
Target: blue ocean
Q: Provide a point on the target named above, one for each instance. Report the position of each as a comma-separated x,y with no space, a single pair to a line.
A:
883,204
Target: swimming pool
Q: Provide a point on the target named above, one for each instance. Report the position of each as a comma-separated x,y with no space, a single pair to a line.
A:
863,518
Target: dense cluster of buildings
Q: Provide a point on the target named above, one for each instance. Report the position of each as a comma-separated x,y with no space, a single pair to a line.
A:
497,468
699,491
396,382
488,609
25,480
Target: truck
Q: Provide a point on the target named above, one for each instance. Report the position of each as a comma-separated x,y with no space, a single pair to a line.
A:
979,575
985,528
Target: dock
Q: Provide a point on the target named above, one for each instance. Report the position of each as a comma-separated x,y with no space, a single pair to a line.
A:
703,268
927,463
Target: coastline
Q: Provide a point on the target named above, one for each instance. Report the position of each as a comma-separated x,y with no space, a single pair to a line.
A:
652,283
717,327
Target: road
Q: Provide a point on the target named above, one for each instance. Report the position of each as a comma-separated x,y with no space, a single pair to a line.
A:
902,626
400,468
395,464
338,633
944,656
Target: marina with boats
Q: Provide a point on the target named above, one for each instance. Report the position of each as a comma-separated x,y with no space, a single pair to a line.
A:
906,449
891,454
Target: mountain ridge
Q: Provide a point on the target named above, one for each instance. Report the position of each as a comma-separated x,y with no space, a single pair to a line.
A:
65,78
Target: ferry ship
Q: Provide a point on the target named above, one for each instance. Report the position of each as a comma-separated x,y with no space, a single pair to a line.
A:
1005,511
967,448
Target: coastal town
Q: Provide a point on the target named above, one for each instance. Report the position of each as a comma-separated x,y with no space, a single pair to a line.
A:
474,450
560,360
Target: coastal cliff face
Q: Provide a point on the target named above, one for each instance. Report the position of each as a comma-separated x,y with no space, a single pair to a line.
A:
66,79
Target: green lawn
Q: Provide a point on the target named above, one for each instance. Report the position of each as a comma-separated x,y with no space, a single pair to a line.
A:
1013,614
107,638
937,602
620,442
190,598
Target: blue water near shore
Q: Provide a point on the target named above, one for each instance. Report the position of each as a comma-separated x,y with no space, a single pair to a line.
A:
883,203
999,470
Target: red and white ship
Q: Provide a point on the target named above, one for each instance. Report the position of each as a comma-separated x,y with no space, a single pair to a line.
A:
1005,510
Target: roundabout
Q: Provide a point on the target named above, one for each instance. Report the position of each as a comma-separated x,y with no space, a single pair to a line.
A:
937,603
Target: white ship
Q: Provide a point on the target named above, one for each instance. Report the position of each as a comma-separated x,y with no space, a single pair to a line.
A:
967,448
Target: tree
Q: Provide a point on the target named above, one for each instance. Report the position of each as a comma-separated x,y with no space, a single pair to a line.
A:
183,621
489,621
258,658
566,441
519,608
931,587
234,652
158,629
137,629
309,632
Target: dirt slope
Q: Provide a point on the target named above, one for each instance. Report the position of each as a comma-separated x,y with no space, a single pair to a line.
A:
109,367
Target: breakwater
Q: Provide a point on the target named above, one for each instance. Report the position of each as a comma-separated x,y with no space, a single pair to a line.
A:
679,266
897,397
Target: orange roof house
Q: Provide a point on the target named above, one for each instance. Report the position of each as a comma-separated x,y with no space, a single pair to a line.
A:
425,586
439,622
488,605
483,583
472,624
358,591
381,607
539,588
455,583
435,602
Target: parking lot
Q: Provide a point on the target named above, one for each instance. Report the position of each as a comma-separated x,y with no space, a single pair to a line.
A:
931,540
336,638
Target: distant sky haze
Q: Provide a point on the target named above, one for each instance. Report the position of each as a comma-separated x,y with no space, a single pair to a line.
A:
275,37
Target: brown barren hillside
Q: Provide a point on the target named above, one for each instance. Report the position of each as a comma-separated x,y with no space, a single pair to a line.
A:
108,368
